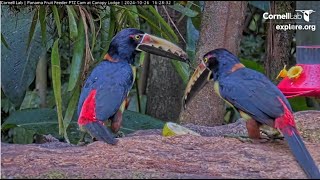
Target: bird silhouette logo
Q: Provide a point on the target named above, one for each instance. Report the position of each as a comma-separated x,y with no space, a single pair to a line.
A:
306,14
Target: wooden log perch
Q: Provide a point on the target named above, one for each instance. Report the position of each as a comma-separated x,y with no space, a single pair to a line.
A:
154,156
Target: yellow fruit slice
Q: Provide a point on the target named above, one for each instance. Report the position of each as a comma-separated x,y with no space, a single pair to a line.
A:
173,129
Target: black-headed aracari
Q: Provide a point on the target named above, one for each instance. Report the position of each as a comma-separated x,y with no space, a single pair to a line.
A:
108,85
256,98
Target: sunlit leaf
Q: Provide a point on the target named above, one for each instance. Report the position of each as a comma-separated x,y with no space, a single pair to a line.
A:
77,57
57,19
56,82
72,23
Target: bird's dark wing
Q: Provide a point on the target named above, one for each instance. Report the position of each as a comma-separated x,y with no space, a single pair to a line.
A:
112,83
254,94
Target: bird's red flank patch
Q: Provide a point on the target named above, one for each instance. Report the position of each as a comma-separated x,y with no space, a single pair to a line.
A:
88,111
285,121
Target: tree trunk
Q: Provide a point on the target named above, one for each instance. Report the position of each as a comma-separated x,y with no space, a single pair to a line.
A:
221,26
165,87
279,41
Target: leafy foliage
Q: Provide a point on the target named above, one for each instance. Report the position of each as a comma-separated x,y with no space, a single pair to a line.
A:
19,62
76,37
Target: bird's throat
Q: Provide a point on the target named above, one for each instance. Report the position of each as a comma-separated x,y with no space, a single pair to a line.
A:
107,57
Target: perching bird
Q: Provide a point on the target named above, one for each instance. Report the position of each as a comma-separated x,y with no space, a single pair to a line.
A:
256,98
109,83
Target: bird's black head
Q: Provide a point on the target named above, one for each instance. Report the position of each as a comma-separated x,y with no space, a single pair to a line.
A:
128,42
123,44
214,64
220,61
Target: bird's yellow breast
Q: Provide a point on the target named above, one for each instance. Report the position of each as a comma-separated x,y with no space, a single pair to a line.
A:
217,91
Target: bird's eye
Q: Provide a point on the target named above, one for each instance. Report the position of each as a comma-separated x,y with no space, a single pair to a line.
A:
205,60
137,37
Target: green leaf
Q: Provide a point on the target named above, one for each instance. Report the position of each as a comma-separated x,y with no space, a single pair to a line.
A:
56,82
18,66
299,104
252,65
42,121
111,32
183,70
77,57
31,100
134,106
184,10
133,121
42,19
197,19
133,17
166,26
3,40
72,106
22,136
151,21
57,19
192,39
72,23
32,28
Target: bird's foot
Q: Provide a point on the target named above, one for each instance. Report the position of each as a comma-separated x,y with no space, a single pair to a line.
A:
245,139
273,135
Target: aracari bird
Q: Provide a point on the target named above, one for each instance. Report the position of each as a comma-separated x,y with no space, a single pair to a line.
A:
109,83
256,98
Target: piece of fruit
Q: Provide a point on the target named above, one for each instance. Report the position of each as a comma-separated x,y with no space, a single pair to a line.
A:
173,129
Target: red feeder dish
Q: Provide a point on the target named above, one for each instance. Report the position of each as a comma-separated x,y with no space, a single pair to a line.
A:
305,84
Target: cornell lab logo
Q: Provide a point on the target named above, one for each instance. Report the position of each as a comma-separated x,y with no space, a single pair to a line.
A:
306,14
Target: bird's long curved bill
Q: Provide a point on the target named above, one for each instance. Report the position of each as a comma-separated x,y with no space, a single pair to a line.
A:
161,47
100,132
198,80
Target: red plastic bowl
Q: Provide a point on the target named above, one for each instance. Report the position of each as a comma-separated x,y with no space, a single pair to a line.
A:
307,84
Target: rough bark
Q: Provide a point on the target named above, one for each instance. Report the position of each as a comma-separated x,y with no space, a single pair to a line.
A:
221,27
278,41
165,87
153,156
